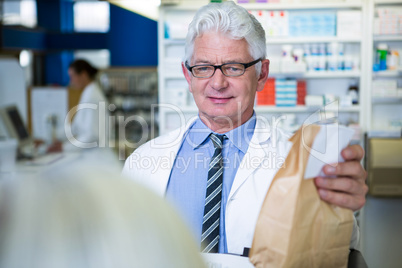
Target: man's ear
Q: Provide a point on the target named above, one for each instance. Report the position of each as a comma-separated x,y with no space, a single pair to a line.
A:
263,75
187,75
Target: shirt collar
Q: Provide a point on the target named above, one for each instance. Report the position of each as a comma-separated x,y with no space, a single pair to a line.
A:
240,136
198,133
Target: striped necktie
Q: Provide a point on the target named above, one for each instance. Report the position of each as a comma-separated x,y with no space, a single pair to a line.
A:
212,209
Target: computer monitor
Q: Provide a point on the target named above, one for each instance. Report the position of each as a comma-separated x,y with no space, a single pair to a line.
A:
14,125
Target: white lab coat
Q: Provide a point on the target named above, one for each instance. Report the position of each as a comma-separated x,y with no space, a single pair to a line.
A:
90,123
151,165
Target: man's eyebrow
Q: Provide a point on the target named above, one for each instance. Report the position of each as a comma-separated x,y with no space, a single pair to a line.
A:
198,62
203,62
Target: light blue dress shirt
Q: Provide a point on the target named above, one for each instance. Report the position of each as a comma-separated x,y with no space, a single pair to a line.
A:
188,180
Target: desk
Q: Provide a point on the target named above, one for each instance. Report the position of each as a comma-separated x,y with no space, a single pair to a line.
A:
104,158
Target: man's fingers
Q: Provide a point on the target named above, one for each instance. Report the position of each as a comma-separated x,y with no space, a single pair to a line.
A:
342,191
350,168
342,184
342,199
353,152
346,185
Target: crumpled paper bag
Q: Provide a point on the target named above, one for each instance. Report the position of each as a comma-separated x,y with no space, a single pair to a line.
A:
295,227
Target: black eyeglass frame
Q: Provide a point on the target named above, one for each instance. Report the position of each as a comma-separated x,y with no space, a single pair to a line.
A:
246,65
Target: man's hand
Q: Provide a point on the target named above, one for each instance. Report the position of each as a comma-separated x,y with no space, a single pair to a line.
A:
349,188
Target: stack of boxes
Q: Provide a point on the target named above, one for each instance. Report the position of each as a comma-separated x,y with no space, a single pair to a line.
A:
386,88
317,23
297,23
275,23
283,93
301,92
388,20
349,23
267,95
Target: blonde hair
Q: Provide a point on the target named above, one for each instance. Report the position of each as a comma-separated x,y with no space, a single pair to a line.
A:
90,220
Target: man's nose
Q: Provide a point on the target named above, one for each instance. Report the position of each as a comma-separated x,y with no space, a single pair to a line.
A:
218,81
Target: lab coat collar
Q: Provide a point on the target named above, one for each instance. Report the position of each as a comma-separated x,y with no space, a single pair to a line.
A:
255,153
171,145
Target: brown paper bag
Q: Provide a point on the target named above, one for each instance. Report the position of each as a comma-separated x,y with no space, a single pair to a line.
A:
295,227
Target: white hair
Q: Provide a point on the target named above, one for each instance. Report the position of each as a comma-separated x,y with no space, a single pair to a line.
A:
232,20
86,220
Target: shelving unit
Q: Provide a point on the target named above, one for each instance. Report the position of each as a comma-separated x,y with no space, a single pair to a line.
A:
388,38
386,2
274,109
383,113
387,73
131,93
288,40
379,111
320,74
171,52
298,40
194,5
386,100
304,6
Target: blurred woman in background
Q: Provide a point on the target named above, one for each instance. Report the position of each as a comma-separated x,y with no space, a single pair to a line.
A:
89,126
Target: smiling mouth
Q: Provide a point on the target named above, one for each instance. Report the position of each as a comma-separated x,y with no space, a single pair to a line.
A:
219,100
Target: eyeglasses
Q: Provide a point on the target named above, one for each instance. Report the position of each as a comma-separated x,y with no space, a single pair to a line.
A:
228,69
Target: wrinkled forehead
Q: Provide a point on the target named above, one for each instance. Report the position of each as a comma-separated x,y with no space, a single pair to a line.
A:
213,44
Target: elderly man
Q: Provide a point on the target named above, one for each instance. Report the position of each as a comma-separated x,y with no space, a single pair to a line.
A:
217,173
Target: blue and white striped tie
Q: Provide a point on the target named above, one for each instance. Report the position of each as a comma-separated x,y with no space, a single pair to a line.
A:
212,209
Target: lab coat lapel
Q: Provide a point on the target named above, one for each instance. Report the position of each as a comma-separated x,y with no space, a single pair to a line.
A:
164,173
254,156
171,153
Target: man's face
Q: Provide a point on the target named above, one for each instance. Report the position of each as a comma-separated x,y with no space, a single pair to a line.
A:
228,100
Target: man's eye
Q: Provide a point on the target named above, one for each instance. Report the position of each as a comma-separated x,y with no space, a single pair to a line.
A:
203,69
233,68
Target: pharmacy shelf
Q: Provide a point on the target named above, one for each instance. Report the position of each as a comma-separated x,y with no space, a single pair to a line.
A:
274,109
305,109
329,74
387,2
316,5
388,73
320,74
302,40
193,6
171,49
386,100
286,40
379,110
309,75
387,37
174,76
